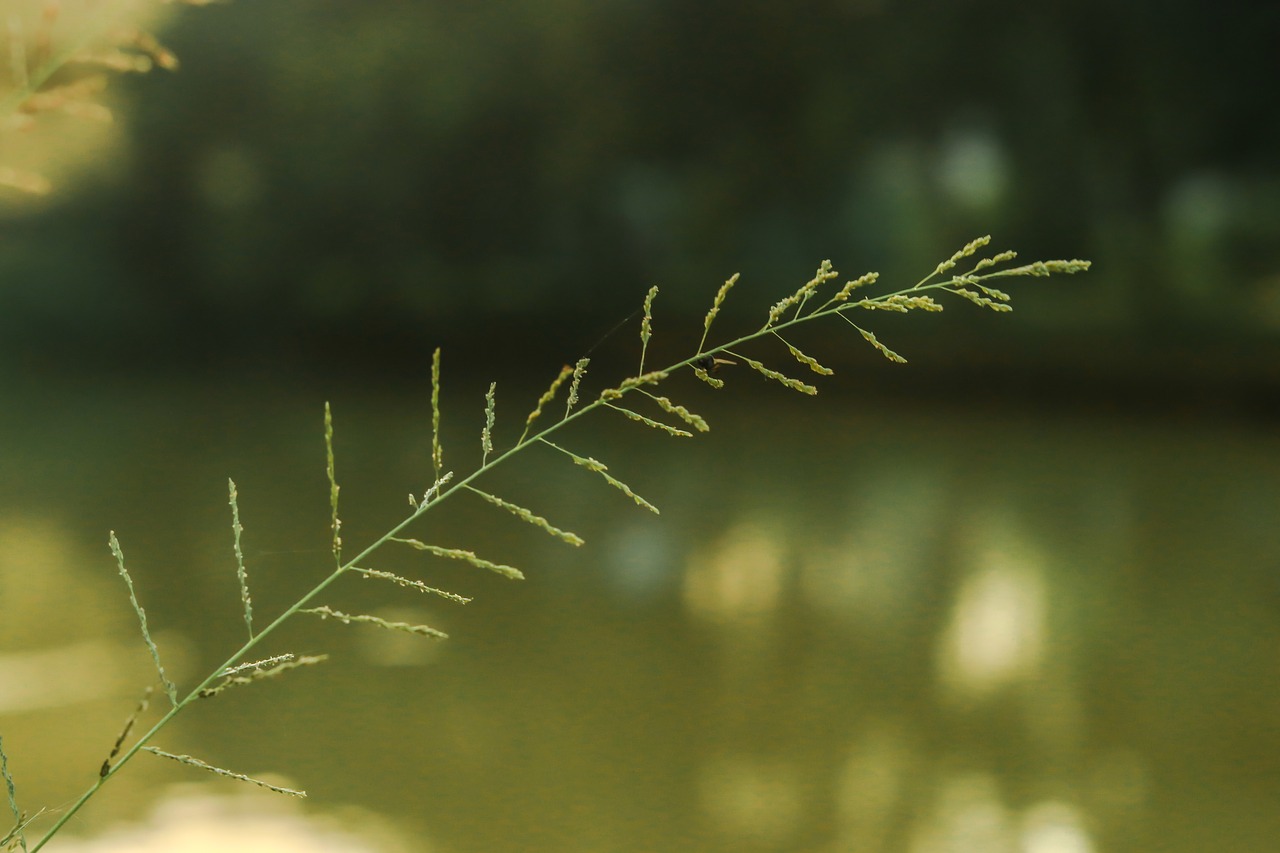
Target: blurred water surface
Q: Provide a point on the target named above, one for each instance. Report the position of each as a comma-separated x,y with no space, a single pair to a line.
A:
857,625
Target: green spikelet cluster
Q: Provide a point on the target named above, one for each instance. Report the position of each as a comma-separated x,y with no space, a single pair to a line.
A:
326,612
169,688
851,286
602,469
528,516
547,397
106,768
708,378
969,249
437,452
331,471
260,671
218,771
809,361
650,422
579,371
646,324
825,273
715,307
242,574
696,421
465,556
486,435
793,384
411,584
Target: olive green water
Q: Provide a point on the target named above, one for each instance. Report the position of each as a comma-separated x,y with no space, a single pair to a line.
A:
854,627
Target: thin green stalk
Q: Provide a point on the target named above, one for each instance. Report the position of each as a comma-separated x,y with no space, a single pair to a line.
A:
836,305
217,673
240,653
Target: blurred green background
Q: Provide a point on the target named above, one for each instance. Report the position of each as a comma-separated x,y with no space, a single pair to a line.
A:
336,182
1018,595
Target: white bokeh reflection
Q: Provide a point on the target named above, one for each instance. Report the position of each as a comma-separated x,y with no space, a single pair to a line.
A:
193,820
996,632
972,167
1054,827
737,580
968,815
43,571
67,675
69,642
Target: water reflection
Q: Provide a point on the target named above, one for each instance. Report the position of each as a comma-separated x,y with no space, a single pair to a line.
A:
394,648
1054,827
968,815
62,675
910,643
872,787
870,566
751,800
193,819
996,631
737,580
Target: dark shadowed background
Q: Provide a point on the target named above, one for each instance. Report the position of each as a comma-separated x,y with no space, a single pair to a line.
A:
1018,595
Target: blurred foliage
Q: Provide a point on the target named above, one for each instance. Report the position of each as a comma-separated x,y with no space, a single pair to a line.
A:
384,175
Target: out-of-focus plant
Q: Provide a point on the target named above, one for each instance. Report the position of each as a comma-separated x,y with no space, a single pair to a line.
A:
59,57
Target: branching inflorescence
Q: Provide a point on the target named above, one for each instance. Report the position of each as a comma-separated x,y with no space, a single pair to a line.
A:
807,304
29,94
